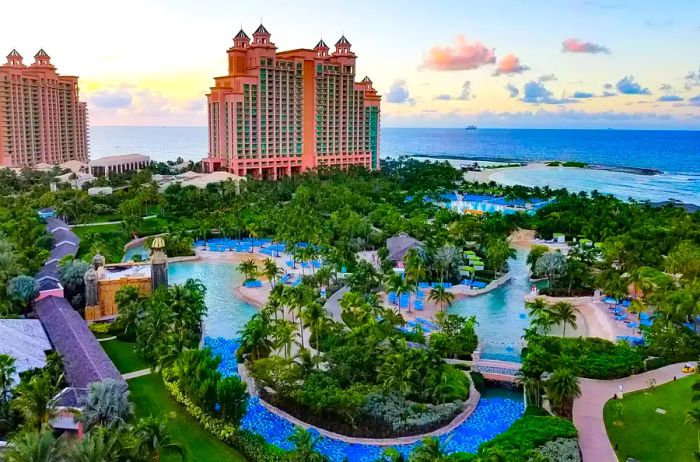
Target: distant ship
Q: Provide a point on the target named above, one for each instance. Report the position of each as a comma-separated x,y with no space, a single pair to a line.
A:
471,127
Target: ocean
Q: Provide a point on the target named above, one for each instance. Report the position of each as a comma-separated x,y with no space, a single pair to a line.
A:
674,153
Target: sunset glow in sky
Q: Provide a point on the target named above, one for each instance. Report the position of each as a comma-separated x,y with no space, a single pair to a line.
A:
573,64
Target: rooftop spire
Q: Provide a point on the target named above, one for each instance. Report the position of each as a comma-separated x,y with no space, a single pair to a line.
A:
241,35
41,54
342,41
14,58
261,30
321,44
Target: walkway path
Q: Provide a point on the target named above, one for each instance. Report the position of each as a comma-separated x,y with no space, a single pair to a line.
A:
332,305
588,409
147,217
133,375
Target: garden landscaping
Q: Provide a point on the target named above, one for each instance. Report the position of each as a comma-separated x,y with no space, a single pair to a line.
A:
151,398
124,356
636,429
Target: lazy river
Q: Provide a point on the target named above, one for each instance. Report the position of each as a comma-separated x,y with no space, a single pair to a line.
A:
499,314
502,316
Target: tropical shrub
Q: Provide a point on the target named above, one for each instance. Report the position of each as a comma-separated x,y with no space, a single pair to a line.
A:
232,398
100,327
531,432
478,380
561,450
590,357
70,274
407,417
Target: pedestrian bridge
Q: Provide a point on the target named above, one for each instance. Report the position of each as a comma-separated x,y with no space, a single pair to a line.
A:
502,371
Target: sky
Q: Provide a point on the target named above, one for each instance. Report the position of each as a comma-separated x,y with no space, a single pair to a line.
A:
519,64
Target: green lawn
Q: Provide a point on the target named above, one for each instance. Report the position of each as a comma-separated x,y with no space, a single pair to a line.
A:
151,398
123,356
648,436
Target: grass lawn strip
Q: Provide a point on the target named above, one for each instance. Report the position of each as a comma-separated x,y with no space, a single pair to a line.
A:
647,435
151,398
123,356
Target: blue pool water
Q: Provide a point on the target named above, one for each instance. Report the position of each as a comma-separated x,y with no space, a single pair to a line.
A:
227,313
496,411
502,316
499,313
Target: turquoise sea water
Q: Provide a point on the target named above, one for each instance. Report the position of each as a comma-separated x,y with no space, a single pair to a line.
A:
676,153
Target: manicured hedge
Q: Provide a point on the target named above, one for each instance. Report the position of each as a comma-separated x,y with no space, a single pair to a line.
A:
592,358
531,432
250,444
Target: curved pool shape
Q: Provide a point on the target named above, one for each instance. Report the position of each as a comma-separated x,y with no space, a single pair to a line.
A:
227,313
495,412
137,250
502,316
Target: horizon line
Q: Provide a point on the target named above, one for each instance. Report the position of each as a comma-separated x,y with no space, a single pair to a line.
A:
444,128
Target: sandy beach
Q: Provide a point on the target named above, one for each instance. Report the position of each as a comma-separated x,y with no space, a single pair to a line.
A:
489,174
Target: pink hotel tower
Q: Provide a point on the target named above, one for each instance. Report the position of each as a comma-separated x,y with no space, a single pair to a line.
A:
41,117
279,113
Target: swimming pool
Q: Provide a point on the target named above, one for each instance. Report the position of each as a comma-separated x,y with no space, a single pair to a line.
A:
501,314
227,313
496,411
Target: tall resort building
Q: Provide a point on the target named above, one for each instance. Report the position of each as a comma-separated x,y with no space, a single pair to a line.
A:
279,113
41,117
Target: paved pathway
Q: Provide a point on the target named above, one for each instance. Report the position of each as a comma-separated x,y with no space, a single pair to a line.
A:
133,375
332,305
147,217
588,409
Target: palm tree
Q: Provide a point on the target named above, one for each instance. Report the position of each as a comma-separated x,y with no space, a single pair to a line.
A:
392,455
107,404
352,303
395,283
324,275
315,318
249,268
533,386
102,444
429,450
536,251
415,264
447,260
255,337
153,438
284,333
441,296
564,313
544,322
35,400
33,447
130,304
693,417
305,447
552,265
498,251
272,271
562,389
7,371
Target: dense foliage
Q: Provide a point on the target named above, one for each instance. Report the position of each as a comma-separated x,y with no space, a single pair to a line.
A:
363,377
591,357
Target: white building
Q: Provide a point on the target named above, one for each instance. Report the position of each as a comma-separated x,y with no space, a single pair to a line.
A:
119,164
